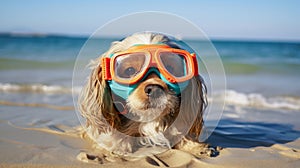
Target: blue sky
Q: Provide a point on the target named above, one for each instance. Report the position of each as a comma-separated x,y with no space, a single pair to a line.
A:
228,19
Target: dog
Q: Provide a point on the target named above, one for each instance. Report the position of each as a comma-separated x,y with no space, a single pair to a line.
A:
151,114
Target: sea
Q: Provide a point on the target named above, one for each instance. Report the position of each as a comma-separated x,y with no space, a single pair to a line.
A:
261,101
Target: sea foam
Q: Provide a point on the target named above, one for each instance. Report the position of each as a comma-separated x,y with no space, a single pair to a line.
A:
37,88
259,101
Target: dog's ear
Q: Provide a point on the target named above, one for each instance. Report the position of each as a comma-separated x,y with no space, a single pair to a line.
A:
201,101
95,103
193,106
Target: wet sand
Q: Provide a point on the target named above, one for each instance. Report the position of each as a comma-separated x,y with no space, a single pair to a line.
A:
62,146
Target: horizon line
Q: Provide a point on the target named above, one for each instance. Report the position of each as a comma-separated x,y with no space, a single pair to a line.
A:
212,38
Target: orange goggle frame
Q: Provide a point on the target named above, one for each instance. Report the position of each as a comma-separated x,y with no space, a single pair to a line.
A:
153,53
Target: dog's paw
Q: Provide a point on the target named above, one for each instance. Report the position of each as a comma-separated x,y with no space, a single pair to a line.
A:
197,149
201,150
123,150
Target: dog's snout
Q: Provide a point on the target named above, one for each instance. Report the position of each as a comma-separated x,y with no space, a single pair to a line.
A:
154,90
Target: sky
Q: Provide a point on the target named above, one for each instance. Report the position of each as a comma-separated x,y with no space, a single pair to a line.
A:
227,19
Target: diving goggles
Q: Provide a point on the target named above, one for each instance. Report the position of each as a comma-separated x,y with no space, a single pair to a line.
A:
131,66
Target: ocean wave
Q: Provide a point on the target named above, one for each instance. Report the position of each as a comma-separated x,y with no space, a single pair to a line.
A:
259,101
232,97
37,88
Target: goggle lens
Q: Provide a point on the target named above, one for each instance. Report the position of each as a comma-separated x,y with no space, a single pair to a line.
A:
174,63
129,65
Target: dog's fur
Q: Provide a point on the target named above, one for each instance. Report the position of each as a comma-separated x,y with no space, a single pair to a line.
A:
120,134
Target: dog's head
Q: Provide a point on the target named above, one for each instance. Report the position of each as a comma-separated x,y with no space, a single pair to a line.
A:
140,99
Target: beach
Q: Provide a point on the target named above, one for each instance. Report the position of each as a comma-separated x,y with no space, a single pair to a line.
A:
39,126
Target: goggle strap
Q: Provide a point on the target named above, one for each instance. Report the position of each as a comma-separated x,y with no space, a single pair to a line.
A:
105,62
194,57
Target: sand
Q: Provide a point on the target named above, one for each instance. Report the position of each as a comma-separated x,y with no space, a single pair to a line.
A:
61,146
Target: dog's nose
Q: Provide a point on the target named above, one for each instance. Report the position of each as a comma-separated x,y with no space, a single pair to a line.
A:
154,90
